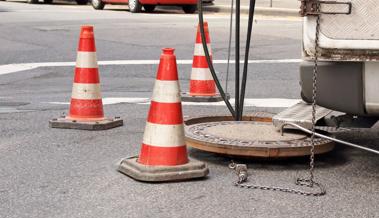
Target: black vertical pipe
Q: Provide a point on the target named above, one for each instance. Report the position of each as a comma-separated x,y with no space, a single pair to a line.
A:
210,64
247,49
237,58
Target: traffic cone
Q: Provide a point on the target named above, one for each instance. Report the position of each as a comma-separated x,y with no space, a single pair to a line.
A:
86,108
163,155
202,85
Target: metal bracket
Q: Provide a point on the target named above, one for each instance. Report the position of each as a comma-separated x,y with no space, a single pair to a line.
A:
310,7
241,171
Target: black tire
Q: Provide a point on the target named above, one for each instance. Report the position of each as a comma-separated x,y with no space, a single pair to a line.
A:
149,8
47,1
305,98
32,1
134,6
98,4
82,2
189,9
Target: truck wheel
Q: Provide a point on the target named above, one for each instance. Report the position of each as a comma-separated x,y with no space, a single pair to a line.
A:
149,8
134,6
82,2
189,9
47,1
32,1
98,4
305,98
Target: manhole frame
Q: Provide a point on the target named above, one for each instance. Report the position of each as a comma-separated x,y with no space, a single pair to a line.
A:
322,145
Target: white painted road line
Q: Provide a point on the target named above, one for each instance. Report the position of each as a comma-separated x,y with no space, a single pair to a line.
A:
249,102
14,68
116,100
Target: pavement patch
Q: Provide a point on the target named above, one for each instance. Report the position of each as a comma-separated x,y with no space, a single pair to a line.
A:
5,110
11,107
12,104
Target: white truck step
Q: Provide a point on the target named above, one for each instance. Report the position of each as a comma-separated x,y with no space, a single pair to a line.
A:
301,114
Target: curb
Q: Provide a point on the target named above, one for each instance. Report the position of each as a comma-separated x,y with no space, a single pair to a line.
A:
285,12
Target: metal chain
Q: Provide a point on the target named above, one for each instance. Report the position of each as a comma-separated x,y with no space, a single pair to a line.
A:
314,97
241,169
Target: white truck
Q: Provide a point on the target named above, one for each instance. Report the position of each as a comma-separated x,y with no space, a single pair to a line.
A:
348,70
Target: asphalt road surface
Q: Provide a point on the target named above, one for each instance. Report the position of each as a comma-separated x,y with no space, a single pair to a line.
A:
66,173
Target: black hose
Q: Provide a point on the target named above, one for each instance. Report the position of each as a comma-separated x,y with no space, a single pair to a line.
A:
207,56
237,58
246,61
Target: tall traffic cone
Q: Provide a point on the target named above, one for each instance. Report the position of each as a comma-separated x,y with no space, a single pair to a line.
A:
163,155
86,108
202,85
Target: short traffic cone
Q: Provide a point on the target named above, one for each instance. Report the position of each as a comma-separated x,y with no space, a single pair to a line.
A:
202,85
163,155
86,108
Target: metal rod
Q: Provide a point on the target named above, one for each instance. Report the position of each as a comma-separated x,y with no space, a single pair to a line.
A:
328,137
237,58
208,58
246,61
229,45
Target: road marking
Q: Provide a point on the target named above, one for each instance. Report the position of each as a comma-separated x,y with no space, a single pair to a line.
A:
14,68
249,102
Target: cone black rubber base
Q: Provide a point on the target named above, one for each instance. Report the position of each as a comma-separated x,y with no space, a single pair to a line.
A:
107,123
193,169
216,98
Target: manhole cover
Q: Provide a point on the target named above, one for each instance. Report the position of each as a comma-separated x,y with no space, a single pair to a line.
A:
248,131
255,137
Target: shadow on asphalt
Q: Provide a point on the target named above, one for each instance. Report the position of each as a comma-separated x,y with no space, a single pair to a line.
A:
339,156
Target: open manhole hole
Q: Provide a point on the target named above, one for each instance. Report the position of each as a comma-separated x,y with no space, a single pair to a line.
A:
255,136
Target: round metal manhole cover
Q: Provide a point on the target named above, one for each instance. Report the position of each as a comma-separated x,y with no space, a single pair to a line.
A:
250,138
247,131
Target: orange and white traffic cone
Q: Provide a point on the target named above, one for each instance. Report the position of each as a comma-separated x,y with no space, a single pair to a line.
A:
202,86
163,155
86,108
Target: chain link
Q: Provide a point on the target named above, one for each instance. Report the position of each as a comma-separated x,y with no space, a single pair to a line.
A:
241,169
314,100
299,182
